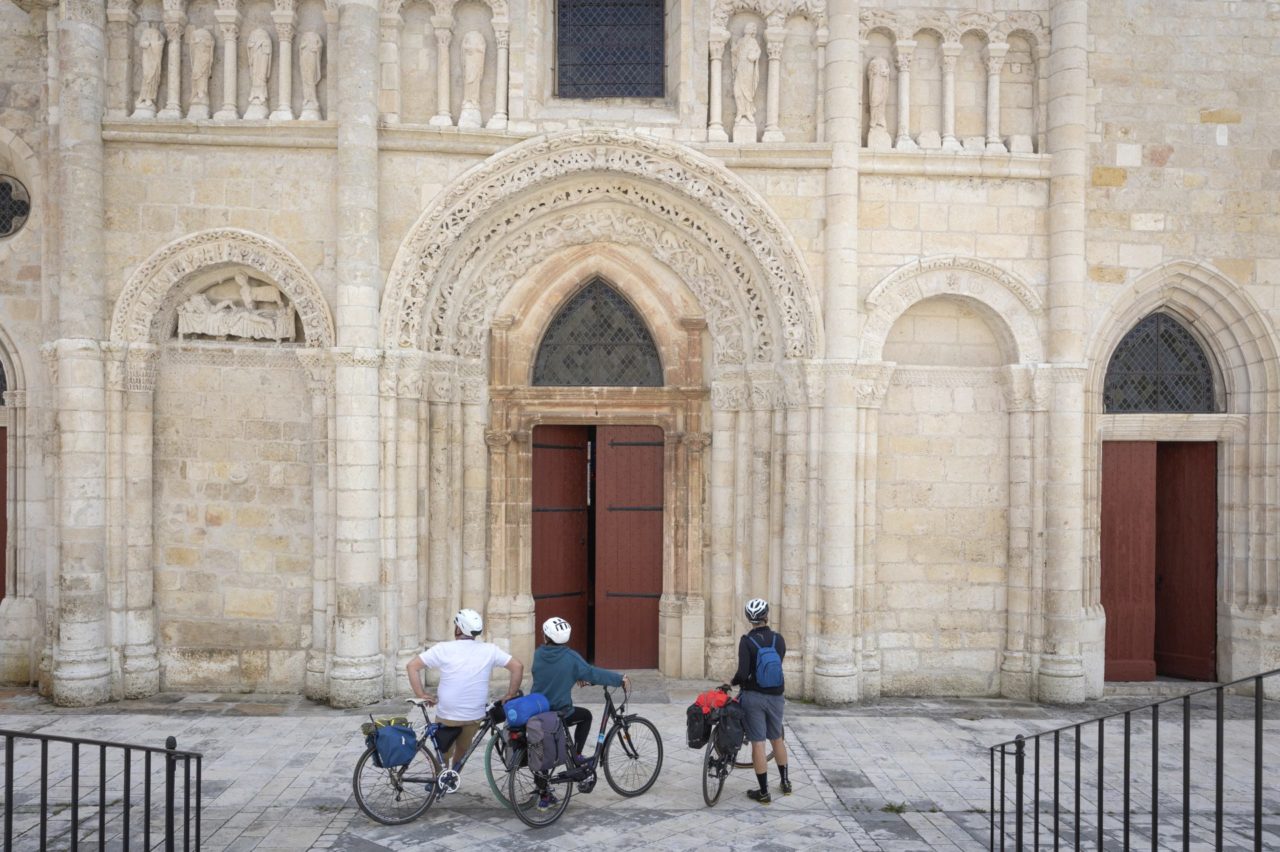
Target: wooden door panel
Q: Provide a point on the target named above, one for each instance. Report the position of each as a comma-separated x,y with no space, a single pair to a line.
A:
4,507
629,506
1128,556
560,581
1186,560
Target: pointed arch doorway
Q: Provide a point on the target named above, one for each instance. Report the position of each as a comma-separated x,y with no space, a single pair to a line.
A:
599,384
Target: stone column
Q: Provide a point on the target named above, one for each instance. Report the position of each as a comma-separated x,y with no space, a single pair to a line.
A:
229,25
773,37
872,386
715,124
835,667
903,51
727,397
175,21
318,364
406,467
444,34
820,112
502,36
950,53
330,58
995,61
82,661
389,65
286,21
120,23
356,671
140,663
1062,677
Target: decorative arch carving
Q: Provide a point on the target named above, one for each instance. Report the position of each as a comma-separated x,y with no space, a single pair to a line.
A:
773,11
995,28
153,289
737,311
718,198
1011,303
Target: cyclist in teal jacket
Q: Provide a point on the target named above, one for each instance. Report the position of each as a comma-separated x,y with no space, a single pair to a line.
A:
557,667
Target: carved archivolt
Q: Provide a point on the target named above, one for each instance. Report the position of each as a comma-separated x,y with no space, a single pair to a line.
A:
995,28
721,201
150,297
1010,301
716,270
445,7
775,12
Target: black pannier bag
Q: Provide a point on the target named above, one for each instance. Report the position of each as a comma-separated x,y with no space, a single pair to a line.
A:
697,726
731,729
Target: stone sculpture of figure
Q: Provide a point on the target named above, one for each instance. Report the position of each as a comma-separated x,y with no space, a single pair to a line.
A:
201,68
259,49
150,51
746,74
309,48
473,46
877,92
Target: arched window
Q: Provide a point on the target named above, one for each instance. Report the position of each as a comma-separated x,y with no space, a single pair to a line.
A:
598,340
1158,367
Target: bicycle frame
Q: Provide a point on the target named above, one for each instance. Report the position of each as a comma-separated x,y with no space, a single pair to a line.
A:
429,733
613,713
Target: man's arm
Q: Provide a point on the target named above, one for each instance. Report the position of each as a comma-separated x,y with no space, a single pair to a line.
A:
414,668
517,674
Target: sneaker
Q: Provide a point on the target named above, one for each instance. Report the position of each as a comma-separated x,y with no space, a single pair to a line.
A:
580,760
547,801
761,796
785,786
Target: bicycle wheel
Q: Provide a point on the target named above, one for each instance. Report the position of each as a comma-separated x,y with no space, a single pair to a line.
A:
714,770
742,760
495,768
397,795
632,756
538,798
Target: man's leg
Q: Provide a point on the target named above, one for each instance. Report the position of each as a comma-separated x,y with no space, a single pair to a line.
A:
754,710
773,723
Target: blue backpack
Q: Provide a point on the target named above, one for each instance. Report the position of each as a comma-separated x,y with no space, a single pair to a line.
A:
768,664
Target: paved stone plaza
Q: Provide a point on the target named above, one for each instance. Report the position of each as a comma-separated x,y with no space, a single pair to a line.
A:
892,775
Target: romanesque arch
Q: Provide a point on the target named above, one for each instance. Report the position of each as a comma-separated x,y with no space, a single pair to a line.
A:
1242,344
419,292
153,291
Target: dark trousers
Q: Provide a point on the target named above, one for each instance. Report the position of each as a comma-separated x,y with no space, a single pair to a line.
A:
579,719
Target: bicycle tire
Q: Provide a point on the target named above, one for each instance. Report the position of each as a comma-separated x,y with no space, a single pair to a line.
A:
496,786
629,740
523,793
713,775
398,795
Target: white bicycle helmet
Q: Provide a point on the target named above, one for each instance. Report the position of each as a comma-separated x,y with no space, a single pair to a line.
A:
469,622
557,630
757,610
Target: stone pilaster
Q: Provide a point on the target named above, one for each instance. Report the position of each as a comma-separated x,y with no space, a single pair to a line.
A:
286,21
501,35
903,51
773,39
229,25
390,26
1061,676
356,671
140,662
995,61
443,25
120,23
835,667
950,53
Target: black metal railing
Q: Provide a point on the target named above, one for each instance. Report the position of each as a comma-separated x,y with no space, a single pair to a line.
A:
1026,813
133,804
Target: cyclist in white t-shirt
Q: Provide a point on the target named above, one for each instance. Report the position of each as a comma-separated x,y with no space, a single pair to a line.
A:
464,664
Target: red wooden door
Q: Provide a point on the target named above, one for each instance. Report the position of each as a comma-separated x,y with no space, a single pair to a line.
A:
1128,548
561,584
628,545
4,508
1186,629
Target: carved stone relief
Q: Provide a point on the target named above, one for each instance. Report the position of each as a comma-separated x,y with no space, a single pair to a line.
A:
720,197
237,308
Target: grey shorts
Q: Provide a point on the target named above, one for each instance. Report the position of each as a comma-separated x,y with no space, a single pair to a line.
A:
764,715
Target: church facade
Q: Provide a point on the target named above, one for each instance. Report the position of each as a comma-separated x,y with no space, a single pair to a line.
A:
950,330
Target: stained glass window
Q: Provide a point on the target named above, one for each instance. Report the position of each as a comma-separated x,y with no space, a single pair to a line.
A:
610,49
15,205
598,340
1158,367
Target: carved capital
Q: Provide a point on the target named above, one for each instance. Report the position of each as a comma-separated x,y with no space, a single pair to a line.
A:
286,23
774,50
284,7
715,48
174,27
497,439
83,11
141,365
697,441
729,394
871,384
15,399
502,36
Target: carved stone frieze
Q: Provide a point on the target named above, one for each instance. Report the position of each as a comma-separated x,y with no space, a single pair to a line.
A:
720,196
729,394
141,364
703,265
497,439
994,27
775,12
319,367
153,292
238,307
357,357
949,377
226,355
871,383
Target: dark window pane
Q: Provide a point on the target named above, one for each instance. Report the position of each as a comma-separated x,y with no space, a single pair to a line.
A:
598,340
610,49
15,205
1158,367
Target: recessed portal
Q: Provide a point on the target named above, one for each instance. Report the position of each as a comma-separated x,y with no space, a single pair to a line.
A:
597,538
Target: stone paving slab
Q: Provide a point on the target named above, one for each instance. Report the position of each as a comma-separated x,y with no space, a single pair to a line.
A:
895,775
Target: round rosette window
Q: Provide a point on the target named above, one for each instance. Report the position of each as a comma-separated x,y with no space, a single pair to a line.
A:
15,205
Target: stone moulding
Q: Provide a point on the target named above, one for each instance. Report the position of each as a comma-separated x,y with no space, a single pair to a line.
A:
154,287
776,12
719,196
1013,304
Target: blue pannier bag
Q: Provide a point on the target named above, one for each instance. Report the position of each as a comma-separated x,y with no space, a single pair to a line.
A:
520,710
396,745
768,664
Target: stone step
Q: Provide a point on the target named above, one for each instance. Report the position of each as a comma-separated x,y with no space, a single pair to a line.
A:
1152,690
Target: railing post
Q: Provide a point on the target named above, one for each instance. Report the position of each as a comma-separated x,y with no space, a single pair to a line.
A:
8,793
991,756
1019,767
1257,764
1217,779
169,767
